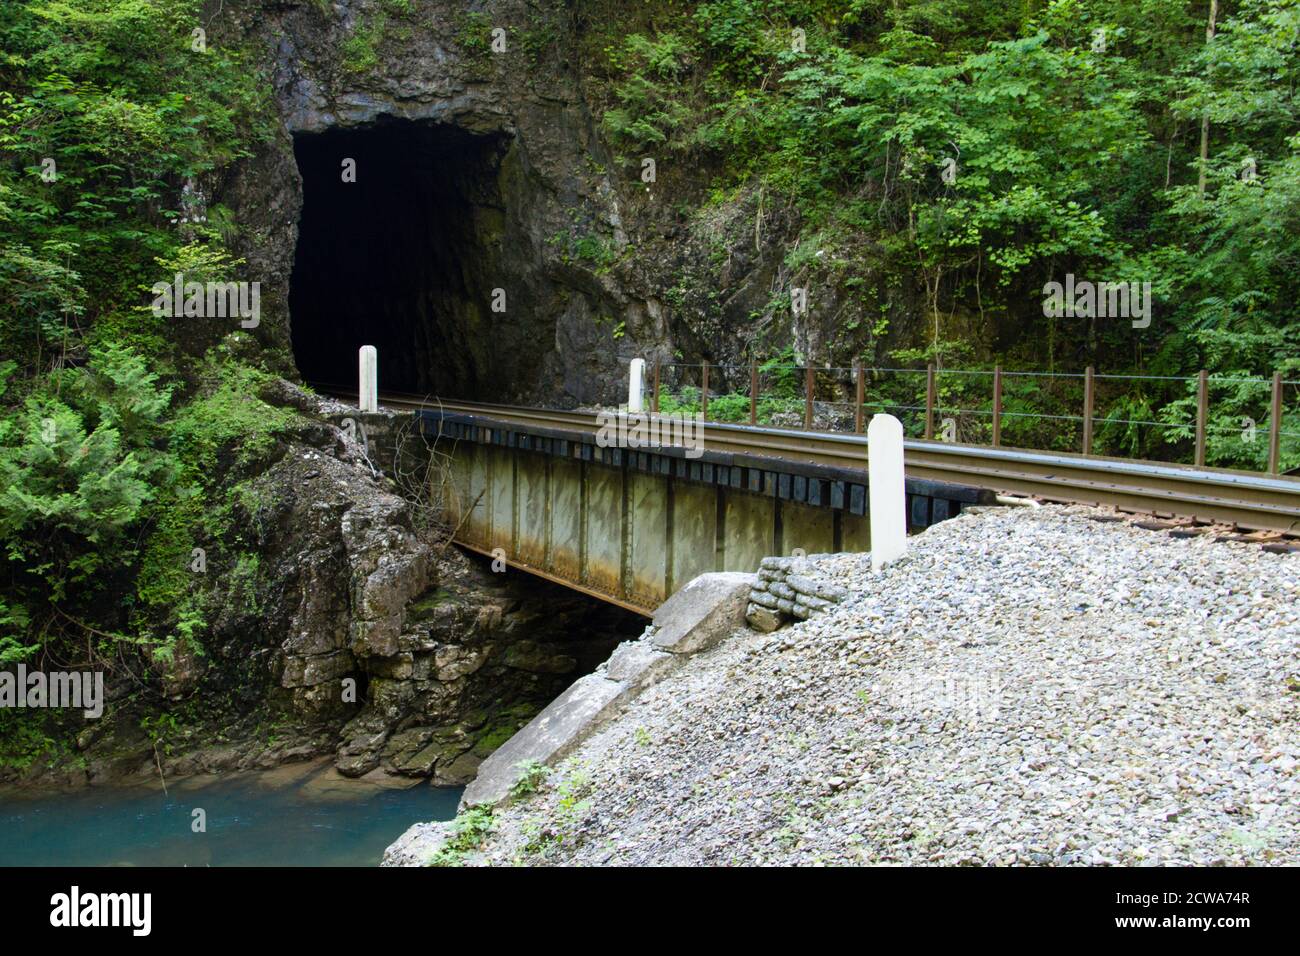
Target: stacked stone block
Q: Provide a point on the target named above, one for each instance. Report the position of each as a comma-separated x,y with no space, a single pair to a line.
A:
781,593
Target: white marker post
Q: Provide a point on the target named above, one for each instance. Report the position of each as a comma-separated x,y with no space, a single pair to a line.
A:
635,385
885,490
369,401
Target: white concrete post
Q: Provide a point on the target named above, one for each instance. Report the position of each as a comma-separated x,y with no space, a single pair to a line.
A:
369,401
885,490
635,385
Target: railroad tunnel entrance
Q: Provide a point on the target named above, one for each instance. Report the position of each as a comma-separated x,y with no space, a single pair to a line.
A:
406,231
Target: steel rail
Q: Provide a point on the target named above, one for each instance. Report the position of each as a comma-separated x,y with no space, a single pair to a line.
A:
1243,499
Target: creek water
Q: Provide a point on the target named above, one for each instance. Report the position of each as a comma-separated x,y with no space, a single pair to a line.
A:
300,815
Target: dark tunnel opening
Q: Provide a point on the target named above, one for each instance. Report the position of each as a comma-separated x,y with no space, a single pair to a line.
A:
404,258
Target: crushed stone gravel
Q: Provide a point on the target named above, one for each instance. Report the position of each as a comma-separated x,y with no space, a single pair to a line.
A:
1027,686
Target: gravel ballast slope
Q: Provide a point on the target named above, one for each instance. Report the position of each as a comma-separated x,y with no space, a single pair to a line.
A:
1028,686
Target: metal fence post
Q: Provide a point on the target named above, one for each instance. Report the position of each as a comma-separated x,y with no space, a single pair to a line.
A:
753,392
1088,400
929,401
997,405
1275,427
861,391
808,398
704,392
1202,414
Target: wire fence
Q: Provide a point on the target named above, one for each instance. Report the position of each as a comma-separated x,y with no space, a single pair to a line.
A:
1247,423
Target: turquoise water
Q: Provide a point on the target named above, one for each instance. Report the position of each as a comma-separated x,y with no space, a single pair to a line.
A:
297,816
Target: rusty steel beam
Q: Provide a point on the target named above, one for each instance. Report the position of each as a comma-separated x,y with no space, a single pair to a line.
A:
1243,499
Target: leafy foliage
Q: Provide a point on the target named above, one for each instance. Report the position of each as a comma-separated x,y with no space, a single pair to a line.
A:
112,113
106,108
977,150
468,832
78,467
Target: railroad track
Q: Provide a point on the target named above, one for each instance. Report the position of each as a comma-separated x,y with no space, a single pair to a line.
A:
1208,496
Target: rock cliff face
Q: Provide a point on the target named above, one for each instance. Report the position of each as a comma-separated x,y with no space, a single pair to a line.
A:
431,658
517,149
480,654
361,634
527,211
427,658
